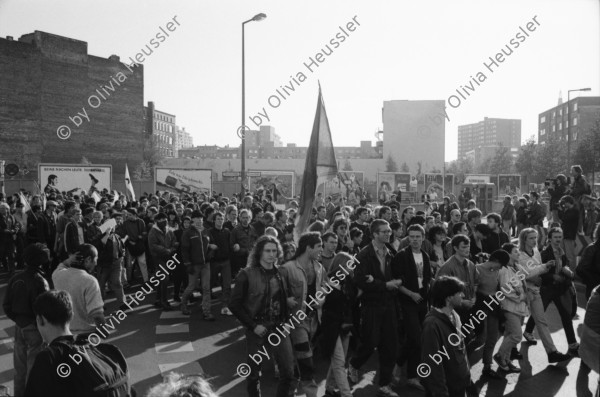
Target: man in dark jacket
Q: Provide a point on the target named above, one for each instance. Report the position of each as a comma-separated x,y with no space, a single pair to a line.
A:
411,265
9,227
259,303
18,305
569,216
579,188
135,231
193,248
161,242
373,275
242,237
219,263
445,366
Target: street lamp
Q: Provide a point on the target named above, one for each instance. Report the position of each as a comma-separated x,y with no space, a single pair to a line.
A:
242,129
569,125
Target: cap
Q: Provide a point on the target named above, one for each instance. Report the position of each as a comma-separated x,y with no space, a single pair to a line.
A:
51,202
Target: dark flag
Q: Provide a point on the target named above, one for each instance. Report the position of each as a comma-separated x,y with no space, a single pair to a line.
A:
320,166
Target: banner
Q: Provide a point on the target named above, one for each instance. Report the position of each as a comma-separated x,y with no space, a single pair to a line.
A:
435,188
279,184
390,182
509,185
179,180
348,184
71,178
470,178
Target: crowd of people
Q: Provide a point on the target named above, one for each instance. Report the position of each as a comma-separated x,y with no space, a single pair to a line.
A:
415,284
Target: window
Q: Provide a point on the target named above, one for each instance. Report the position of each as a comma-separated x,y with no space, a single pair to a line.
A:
560,112
560,125
566,123
553,128
575,136
575,121
575,107
543,131
543,119
553,114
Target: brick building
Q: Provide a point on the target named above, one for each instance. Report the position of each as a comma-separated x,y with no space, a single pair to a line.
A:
45,81
581,111
488,133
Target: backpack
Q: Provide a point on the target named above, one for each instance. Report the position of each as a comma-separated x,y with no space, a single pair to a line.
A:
102,367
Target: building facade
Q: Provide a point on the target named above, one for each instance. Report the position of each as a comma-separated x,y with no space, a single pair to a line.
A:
414,133
50,83
491,132
164,130
580,112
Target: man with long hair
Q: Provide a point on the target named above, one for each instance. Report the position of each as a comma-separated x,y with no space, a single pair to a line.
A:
305,279
259,303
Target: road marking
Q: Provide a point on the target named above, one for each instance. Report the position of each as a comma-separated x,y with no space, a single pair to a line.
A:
173,347
188,368
172,314
172,328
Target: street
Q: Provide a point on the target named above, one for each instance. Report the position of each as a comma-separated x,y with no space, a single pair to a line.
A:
156,342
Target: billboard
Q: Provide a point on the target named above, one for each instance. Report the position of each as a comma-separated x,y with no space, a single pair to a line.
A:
509,184
348,184
73,177
471,178
179,180
390,182
283,182
434,186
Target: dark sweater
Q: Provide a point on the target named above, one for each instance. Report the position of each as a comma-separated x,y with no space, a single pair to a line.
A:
21,292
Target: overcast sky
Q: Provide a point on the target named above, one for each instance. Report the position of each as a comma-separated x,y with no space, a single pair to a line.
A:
401,50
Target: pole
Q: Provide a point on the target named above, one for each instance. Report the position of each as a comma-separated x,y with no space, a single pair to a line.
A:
568,131
243,173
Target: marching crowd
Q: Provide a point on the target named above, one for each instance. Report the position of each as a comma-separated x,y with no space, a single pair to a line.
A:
425,288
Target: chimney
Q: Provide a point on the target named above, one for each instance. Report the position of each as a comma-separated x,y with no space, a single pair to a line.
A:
9,38
114,58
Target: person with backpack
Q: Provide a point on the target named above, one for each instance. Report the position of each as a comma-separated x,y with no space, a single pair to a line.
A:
70,366
589,265
21,292
579,188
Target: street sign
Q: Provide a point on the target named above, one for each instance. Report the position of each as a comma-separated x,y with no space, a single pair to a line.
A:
229,174
254,174
11,169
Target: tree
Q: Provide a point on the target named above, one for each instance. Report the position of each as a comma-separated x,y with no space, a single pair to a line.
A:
85,161
460,168
527,157
436,170
588,150
390,164
404,167
151,158
502,161
419,169
347,166
550,159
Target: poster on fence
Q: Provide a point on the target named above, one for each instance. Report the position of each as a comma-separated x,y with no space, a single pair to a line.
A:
390,182
179,180
279,184
509,185
73,178
348,184
434,187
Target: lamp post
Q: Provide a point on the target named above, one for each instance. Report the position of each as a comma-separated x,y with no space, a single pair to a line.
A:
242,129
569,125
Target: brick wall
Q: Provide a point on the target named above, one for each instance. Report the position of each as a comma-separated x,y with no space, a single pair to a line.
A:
44,79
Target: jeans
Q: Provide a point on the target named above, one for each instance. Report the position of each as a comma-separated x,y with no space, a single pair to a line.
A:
378,330
141,260
200,271
301,338
491,337
283,355
414,315
336,375
112,275
554,294
570,253
28,343
223,267
536,306
7,254
512,334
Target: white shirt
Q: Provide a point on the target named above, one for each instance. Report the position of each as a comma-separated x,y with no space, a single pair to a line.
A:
419,261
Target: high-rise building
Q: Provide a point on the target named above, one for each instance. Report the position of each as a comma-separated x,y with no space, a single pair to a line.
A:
414,132
50,85
491,132
581,112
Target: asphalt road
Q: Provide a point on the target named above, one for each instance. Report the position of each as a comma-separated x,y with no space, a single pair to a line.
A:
156,342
